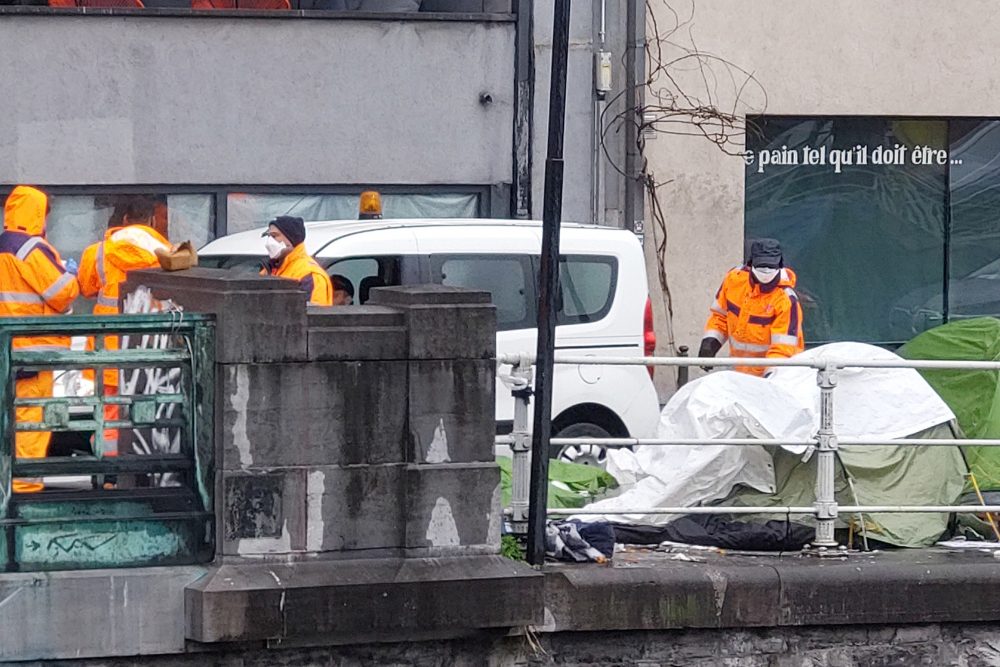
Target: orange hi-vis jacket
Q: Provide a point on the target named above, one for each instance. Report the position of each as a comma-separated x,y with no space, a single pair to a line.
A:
299,266
105,265
757,322
33,280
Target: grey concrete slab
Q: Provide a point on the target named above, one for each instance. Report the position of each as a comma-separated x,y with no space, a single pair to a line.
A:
93,613
645,590
337,601
664,595
320,413
142,114
451,411
355,333
443,322
355,508
258,318
452,507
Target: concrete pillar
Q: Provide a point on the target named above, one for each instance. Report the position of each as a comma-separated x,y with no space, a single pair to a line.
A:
345,433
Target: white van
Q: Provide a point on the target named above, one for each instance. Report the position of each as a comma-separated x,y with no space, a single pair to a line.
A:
604,308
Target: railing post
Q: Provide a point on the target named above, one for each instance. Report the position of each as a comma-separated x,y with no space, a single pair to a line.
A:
682,371
521,447
826,501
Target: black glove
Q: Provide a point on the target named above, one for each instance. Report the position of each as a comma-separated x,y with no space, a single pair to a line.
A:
709,348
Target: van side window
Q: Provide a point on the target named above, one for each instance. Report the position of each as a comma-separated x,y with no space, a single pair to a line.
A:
366,273
506,277
588,285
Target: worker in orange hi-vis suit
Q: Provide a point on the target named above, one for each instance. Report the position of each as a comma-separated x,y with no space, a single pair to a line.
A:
104,267
33,282
284,242
756,310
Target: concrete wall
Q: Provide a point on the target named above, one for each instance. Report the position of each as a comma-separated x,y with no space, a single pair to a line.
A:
857,57
205,100
873,646
582,143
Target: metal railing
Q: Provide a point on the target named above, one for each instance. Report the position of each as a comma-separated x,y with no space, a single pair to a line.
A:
825,508
137,487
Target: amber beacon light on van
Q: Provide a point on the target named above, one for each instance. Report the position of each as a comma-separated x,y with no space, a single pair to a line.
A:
370,206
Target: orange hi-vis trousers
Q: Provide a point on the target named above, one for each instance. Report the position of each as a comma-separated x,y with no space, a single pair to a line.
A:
31,444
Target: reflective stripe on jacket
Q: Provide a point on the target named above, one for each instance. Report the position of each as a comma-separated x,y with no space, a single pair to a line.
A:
33,280
299,266
757,322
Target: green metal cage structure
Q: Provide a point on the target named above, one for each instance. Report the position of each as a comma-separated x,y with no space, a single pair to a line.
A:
101,507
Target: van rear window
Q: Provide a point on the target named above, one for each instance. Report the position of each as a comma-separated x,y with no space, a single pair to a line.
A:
587,285
504,276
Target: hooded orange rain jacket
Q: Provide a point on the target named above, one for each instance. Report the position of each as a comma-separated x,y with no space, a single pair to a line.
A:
33,283
105,265
299,266
758,321
103,268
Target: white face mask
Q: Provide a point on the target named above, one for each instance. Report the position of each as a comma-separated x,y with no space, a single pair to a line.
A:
273,246
763,275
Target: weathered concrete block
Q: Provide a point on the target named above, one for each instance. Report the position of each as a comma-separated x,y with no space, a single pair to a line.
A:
912,587
358,601
93,613
319,413
668,596
451,411
356,333
355,507
443,322
264,513
453,508
259,318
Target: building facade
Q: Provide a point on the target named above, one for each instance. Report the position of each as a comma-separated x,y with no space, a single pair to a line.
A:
871,152
228,117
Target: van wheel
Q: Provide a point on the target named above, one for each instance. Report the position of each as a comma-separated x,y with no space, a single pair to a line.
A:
589,455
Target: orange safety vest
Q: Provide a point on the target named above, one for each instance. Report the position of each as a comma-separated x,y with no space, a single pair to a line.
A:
299,266
758,323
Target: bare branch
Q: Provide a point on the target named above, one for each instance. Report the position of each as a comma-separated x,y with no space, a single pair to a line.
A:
689,92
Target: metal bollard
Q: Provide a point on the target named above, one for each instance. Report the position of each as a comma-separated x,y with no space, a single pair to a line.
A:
826,501
522,374
682,371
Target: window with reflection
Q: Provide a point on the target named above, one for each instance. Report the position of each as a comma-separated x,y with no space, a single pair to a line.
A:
890,223
76,221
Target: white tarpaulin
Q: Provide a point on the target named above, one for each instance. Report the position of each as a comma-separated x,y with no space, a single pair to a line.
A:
876,403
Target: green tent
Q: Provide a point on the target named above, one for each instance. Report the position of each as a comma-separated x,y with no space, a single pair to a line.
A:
879,476
974,396
571,485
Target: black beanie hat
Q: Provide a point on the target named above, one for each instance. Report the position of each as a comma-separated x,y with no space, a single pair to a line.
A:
293,228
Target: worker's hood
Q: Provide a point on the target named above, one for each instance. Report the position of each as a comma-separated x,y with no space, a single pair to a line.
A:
133,247
25,211
788,278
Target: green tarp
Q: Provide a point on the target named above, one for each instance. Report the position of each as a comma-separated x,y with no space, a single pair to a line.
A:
880,476
571,485
974,396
